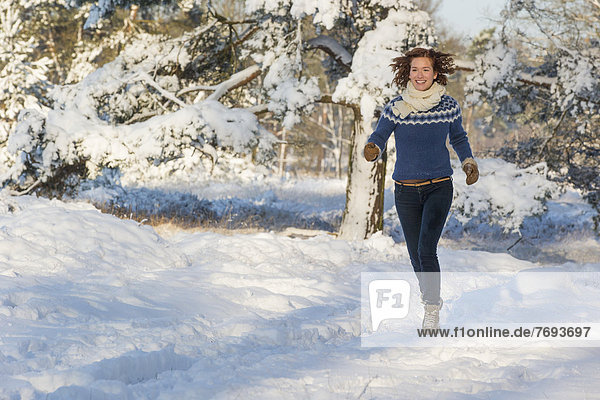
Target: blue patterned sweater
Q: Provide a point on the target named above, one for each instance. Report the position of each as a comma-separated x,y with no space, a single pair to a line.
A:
421,151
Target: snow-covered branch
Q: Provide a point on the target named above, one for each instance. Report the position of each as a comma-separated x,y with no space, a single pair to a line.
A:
258,109
330,46
595,3
469,66
196,88
328,99
144,76
235,81
536,80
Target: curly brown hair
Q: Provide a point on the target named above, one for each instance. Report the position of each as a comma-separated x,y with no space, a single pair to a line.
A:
443,64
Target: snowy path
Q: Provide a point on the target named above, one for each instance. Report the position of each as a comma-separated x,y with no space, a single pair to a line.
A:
93,307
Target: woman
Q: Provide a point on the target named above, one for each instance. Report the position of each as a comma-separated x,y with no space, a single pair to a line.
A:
422,118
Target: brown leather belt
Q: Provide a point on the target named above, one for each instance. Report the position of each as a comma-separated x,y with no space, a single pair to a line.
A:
427,182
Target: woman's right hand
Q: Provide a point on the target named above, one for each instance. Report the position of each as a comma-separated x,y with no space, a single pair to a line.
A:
371,151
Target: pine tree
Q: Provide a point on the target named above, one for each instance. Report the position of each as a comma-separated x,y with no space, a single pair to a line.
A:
543,72
23,78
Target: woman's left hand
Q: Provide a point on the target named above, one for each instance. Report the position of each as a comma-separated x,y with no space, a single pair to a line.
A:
471,170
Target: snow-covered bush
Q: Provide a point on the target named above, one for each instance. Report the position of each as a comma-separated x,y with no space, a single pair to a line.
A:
504,195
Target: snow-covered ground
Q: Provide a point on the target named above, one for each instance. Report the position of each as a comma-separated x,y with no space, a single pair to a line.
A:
96,307
509,209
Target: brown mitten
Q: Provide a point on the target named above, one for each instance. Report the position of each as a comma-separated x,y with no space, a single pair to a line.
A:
371,151
471,170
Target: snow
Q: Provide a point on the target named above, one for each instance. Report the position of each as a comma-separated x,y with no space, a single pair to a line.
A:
96,307
507,201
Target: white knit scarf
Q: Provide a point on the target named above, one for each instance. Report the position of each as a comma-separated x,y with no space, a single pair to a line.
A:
414,100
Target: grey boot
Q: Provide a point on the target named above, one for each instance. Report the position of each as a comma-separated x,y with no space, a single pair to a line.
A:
431,317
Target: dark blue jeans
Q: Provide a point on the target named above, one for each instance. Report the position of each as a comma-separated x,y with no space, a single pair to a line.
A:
423,211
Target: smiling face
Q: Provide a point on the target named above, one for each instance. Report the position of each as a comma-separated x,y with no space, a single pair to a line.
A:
422,74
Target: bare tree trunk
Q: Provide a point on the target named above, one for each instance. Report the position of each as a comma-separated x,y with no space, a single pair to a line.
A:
319,161
52,48
80,31
339,143
336,127
282,152
363,214
128,23
326,118
469,119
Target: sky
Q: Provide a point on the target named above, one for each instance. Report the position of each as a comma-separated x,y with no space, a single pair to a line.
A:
470,16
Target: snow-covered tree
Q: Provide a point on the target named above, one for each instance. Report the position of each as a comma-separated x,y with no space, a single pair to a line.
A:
138,114
361,38
23,79
543,71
